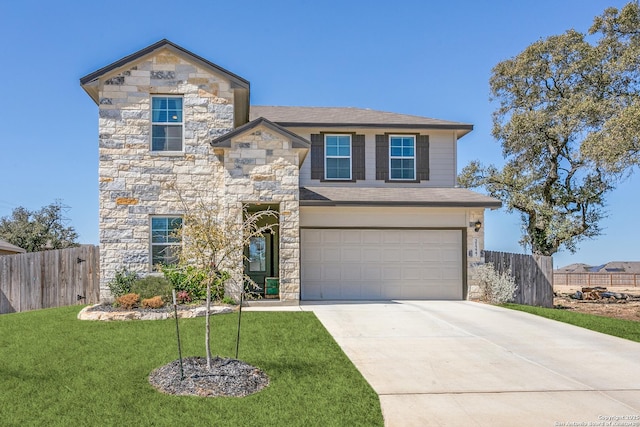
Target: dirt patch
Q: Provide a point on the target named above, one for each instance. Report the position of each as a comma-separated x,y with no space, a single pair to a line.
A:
628,309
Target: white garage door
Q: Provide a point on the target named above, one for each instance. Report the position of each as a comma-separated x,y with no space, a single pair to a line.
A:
381,264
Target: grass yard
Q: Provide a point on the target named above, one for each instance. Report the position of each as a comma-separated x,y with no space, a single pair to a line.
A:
627,329
56,370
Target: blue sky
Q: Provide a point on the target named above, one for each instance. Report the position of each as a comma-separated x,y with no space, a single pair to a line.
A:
415,57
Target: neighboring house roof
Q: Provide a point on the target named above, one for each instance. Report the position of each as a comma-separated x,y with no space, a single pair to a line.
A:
351,117
224,141
8,247
385,196
610,267
90,78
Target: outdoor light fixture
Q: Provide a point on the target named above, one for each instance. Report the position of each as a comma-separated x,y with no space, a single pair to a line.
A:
477,225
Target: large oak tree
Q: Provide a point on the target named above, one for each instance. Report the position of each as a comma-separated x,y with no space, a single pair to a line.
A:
38,230
564,102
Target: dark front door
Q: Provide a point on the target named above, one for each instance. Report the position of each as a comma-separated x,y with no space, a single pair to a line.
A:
260,261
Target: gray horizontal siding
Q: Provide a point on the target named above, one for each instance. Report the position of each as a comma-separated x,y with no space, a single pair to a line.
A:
442,168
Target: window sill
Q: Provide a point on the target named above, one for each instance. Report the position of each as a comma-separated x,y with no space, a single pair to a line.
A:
337,180
167,153
409,181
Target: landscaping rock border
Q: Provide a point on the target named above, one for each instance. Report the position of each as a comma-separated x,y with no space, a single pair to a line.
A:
107,313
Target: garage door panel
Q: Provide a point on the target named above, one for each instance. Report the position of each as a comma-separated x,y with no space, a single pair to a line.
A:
381,264
350,254
371,254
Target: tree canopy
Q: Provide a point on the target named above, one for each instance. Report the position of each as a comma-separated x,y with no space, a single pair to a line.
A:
38,230
563,103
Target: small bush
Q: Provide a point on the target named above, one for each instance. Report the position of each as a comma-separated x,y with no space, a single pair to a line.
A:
183,297
121,283
128,301
152,286
228,300
193,280
495,288
187,279
155,302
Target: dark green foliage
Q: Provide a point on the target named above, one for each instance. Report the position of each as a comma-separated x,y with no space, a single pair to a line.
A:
60,371
38,230
122,281
568,120
152,286
192,280
189,279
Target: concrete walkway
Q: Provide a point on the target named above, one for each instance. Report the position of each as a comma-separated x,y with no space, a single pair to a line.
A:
458,363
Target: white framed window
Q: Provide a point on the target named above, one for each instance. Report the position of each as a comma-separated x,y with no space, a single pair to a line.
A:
337,157
402,157
166,123
166,240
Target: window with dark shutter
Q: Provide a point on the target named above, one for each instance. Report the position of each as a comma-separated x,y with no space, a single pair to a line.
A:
382,157
358,157
422,157
317,156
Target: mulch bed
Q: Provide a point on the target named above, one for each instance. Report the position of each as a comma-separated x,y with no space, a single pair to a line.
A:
227,377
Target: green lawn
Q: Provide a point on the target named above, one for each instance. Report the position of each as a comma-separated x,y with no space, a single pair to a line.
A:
56,370
628,329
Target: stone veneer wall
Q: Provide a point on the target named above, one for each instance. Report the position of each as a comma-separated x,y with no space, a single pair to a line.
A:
133,180
475,251
263,167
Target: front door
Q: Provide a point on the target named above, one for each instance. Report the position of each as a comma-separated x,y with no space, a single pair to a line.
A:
260,261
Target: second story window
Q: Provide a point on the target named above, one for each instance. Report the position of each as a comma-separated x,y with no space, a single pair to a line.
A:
338,157
166,126
402,157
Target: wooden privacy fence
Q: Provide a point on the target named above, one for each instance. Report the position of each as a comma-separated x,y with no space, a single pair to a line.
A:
626,280
48,279
533,275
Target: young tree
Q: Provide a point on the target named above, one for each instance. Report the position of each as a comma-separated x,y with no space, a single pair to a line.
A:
552,96
214,238
38,230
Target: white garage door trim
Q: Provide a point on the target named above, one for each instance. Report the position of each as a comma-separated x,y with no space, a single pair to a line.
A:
346,263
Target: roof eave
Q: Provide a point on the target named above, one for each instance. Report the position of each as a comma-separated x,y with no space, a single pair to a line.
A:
460,129
224,141
236,80
435,204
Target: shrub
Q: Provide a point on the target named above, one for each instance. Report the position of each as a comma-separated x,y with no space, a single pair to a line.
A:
155,302
128,301
152,286
121,283
228,300
183,297
495,288
187,279
192,280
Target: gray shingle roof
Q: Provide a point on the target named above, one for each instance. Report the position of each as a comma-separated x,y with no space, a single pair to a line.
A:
351,117
225,140
394,196
6,246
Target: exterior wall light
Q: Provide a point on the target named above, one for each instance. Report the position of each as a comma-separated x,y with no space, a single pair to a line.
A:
477,225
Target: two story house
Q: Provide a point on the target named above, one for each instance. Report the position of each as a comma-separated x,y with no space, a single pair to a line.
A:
367,201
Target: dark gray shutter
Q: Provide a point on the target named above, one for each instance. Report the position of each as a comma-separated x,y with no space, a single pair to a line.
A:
317,156
382,157
422,157
357,144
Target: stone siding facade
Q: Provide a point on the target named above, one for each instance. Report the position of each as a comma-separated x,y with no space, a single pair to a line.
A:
136,183
475,251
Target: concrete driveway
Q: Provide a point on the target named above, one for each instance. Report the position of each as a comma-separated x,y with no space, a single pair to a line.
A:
459,363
